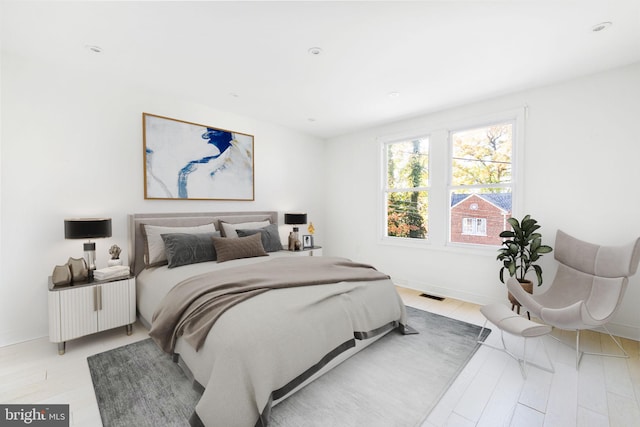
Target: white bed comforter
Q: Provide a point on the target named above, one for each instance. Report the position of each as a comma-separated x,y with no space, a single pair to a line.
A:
260,349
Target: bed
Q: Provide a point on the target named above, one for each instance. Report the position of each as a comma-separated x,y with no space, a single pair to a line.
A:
252,330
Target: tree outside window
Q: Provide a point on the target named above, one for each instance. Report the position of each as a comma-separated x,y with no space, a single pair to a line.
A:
406,190
481,183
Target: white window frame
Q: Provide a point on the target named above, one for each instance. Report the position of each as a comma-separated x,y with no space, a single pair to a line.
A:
516,118
386,190
440,173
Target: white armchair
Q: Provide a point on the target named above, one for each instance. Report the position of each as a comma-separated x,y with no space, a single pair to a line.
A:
587,289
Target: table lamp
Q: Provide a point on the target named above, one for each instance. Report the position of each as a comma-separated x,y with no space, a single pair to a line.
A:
88,228
295,219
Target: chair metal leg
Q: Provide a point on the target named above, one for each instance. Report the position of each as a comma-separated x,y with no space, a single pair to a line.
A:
579,353
481,331
624,354
522,363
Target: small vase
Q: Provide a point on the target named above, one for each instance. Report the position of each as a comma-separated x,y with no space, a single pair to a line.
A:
61,275
79,270
113,262
294,241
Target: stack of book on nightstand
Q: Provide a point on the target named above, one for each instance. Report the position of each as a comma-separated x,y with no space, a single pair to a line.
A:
113,272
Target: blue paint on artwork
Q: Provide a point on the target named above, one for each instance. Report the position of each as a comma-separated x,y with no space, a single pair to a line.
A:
219,139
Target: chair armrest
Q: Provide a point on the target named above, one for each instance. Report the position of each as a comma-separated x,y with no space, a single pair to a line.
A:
569,317
524,298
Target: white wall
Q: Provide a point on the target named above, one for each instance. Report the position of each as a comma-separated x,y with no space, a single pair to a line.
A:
72,146
581,171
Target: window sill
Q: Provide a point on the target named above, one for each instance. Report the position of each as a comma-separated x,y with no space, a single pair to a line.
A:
426,244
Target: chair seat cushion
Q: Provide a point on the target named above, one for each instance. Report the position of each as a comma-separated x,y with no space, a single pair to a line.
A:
510,322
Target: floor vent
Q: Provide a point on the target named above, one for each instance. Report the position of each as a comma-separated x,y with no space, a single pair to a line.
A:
432,297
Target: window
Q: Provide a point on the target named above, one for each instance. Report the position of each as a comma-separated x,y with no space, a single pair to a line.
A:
481,183
406,188
451,185
474,226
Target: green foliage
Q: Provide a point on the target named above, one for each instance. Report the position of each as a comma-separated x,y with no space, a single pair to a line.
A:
404,215
482,156
407,209
522,248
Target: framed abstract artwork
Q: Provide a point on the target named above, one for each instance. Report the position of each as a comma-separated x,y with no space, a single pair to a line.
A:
189,161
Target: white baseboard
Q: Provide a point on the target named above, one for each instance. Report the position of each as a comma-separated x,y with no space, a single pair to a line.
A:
622,330
450,293
617,329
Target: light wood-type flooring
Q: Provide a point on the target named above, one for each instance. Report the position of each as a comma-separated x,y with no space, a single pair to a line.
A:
490,391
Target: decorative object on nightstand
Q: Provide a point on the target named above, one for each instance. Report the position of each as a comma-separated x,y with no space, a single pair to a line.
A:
88,228
61,275
78,267
295,219
307,241
114,251
113,272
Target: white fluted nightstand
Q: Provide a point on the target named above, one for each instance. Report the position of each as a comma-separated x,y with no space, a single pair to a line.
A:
84,308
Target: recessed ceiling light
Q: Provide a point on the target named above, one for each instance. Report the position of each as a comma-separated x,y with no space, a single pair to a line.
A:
394,94
234,95
93,48
315,51
601,26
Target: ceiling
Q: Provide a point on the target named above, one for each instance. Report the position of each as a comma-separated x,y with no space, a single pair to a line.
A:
252,58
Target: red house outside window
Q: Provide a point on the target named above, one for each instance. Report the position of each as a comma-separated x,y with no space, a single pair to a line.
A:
479,218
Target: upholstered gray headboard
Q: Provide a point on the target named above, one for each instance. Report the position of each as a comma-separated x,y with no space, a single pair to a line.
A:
183,219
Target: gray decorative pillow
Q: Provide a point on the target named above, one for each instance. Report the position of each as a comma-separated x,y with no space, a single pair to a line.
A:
270,237
154,250
229,229
241,247
184,248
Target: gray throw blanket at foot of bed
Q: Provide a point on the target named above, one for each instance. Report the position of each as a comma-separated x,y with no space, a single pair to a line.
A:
192,307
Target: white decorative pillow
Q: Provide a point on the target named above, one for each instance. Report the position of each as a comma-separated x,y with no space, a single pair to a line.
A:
229,229
154,253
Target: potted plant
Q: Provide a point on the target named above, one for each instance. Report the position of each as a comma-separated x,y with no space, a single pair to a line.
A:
522,248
